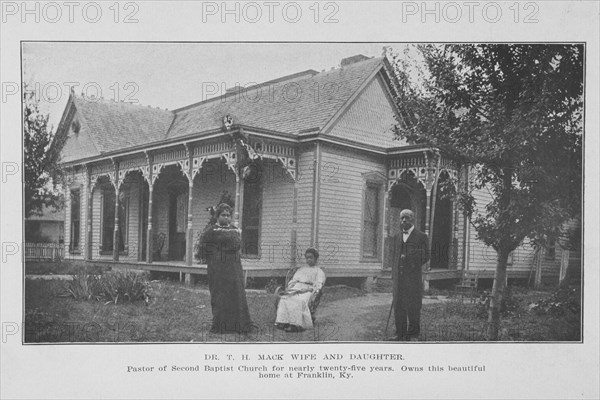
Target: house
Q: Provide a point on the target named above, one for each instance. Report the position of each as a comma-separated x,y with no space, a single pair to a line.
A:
45,235
310,159
47,227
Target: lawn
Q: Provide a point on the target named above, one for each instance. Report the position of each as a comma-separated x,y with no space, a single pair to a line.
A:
178,313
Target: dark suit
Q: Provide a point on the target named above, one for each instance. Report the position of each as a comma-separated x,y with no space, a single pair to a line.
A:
407,281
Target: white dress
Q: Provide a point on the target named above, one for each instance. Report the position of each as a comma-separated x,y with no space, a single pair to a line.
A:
293,305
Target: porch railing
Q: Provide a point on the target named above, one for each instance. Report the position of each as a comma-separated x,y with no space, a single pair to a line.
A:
44,251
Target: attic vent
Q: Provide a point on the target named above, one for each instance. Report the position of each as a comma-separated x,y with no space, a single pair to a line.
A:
353,59
76,126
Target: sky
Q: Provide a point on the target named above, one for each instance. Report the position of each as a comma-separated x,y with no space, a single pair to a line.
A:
169,75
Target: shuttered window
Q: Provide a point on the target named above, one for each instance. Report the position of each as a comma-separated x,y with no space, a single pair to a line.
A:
371,218
75,221
251,214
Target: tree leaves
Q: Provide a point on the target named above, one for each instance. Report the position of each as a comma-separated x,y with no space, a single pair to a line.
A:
41,154
514,111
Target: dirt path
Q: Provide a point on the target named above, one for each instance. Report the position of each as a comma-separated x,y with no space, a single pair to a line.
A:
360,318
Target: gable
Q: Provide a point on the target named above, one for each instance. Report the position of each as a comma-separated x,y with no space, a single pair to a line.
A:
79,143
370,118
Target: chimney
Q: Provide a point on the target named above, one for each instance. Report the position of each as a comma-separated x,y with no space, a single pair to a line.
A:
236,89
354,59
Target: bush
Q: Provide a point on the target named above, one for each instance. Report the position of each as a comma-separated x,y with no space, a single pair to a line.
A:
83,287
508,308
125,286
561,302
112,287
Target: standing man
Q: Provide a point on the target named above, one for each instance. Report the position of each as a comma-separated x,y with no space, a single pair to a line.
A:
409,254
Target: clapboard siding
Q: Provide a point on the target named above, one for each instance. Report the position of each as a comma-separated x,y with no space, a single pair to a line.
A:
131,192
369,119
276,219
482,257
341,206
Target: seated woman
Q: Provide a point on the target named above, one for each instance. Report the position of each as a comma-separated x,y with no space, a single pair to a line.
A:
293,313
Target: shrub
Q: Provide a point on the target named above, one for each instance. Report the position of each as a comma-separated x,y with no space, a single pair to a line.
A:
125,286
111,287
83,286
508,308
561,302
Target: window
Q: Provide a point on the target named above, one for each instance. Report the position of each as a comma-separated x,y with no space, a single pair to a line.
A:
551,249
251,213
108,220
371,238
75,221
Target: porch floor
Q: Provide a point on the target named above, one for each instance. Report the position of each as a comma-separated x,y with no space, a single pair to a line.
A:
250,271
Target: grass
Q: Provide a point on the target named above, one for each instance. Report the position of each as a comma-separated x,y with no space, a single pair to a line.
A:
462,320
176,313
64,267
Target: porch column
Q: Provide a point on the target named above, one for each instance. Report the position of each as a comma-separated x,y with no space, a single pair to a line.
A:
189,251
88,232
432,219
237,216
149,237
294,233
116,231
189,238
454,238
427,210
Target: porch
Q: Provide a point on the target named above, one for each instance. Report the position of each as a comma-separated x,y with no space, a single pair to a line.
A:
256,271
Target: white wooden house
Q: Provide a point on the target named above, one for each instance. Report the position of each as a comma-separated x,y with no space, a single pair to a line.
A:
328,172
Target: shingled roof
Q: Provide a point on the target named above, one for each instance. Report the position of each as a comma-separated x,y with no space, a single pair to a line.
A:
306,101
287,107
119,125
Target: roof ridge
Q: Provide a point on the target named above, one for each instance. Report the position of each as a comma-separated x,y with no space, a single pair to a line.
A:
272,81
310,72
120,102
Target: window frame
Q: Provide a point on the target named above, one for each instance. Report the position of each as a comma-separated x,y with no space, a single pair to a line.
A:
74,249
373,180
260,191
123,205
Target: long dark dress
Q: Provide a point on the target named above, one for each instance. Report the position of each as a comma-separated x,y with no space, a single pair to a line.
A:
221,245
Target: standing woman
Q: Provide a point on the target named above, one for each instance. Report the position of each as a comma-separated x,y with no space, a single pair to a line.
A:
221,243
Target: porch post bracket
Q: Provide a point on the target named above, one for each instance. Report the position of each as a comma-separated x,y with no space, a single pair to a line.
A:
156,168
197,163
231,161
185,168
289,164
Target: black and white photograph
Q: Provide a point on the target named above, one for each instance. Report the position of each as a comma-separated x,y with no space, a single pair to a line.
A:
286,212
412,195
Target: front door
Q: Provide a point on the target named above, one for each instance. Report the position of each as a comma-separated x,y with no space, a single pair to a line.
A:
177,224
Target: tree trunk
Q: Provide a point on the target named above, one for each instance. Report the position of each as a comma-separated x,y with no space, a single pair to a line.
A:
497,296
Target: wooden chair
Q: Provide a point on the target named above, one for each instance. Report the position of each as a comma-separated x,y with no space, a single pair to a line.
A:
313,302
157,245
467,287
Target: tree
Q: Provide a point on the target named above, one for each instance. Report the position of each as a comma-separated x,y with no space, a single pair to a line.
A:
513,112
41,155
